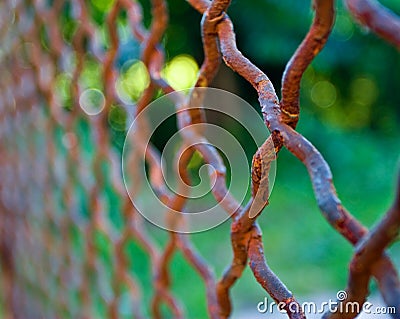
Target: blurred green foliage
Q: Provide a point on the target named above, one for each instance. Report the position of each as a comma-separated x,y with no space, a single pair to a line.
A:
349,101
349,111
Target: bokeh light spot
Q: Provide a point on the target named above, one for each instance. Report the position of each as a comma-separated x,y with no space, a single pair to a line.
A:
69,140
358,116
91,75
181,72
364,91
323,94
117,118
63,88
92,101
133,80
344,27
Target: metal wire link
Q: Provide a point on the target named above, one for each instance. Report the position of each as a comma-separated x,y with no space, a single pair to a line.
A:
66,220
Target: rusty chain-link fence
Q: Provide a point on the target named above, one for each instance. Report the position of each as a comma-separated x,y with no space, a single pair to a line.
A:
63,254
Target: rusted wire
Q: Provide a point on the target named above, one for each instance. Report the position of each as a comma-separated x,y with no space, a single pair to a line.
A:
55,191
378,18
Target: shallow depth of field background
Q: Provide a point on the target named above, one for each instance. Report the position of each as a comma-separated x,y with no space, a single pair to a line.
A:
350,110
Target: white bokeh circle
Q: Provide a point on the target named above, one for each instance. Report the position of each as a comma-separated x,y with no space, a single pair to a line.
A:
92,101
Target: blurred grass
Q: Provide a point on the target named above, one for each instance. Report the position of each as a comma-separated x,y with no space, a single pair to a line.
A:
300,246
358,135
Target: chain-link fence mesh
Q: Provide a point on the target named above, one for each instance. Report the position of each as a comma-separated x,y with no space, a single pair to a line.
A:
67,221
